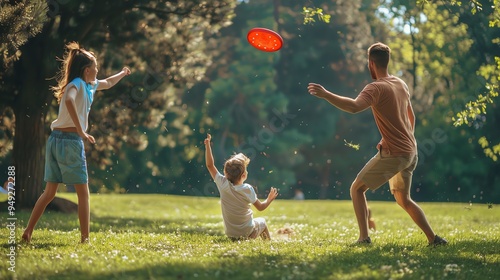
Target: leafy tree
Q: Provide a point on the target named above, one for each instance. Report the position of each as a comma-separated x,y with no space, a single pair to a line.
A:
435,47
19,21
162,41
334,55
438,53
476,109
246,112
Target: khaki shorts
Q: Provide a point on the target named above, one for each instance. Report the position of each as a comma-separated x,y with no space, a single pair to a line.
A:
259,225
383,167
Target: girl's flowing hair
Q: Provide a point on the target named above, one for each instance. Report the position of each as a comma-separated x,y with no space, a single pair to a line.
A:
74,62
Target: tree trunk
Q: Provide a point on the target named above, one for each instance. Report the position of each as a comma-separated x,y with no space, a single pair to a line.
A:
30,108
29,138
28,156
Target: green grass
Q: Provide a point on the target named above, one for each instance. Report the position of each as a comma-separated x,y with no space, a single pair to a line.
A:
175,237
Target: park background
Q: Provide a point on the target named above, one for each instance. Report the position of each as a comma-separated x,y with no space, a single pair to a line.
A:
193,73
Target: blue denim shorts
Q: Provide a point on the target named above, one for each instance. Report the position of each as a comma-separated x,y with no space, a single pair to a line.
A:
65,160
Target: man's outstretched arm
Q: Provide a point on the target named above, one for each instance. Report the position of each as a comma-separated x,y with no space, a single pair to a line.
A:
346,104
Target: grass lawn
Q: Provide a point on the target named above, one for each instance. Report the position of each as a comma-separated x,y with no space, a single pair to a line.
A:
178,237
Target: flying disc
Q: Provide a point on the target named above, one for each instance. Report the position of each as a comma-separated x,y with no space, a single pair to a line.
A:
264,39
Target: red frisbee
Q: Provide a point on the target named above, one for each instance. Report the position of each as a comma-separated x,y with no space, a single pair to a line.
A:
264,39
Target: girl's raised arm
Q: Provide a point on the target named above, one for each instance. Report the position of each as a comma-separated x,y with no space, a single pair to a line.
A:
113,80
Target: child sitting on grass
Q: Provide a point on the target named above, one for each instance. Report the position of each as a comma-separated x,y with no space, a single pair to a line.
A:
236,197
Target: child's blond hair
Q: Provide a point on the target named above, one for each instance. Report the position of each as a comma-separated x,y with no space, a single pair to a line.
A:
235,166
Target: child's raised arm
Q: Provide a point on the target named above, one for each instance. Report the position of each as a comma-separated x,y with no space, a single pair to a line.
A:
261,206
113,80
209,158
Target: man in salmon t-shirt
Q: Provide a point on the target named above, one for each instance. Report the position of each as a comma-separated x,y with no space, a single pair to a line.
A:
389,98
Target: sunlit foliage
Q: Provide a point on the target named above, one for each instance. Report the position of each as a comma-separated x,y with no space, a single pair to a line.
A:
311,12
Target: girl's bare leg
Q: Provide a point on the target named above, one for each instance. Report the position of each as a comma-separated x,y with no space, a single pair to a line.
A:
47,196
82,191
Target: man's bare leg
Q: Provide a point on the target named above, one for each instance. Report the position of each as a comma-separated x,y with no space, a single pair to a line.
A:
360,205
415,212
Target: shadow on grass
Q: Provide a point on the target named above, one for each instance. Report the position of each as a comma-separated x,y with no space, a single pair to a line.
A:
361,263
187,225
67,223
352,262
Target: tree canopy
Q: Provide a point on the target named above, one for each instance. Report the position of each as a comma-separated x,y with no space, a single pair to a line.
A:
194,73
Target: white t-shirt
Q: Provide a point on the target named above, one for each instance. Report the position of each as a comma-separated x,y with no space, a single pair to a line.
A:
84,97
236,208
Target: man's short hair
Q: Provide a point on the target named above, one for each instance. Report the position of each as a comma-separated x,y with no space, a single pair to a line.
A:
380,54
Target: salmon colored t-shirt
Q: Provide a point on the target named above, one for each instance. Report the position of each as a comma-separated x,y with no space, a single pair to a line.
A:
389,99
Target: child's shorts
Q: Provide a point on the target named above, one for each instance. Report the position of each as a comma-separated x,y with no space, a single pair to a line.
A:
65,160
259,225
398,170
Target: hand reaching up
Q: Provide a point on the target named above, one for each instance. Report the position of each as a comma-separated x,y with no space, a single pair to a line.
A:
273,193
207,140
